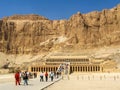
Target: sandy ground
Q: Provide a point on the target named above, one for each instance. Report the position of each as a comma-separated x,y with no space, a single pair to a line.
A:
6,78
105,81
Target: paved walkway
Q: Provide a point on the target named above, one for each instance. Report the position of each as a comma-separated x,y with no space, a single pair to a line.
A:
88,82
107,81
34,84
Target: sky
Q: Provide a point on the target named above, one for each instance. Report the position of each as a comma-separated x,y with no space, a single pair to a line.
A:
53,9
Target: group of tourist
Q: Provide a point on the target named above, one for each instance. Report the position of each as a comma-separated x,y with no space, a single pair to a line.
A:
44,76
48,75
19,76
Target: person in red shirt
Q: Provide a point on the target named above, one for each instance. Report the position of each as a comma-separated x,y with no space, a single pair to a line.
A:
46,76
17,78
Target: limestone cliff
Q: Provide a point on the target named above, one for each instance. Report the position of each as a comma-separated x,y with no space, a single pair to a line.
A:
22,34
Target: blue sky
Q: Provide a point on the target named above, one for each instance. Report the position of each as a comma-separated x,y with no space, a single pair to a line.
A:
53,9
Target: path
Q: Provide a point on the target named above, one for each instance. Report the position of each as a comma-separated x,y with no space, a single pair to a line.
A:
34,84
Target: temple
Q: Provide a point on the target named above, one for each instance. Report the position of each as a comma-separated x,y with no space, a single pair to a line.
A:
77,63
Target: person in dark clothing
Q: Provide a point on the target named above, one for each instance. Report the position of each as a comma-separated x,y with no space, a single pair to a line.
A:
46,76
41,76
51,76
25,78
35,75
57,74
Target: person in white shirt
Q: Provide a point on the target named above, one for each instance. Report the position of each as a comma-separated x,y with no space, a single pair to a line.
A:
41,77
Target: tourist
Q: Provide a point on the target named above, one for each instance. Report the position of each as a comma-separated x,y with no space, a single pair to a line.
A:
20,76
57,74
41,76
46,76
51,76
35,75
28,74
17,78
25,78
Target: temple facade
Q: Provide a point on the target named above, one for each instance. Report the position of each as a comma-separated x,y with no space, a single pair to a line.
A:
77,63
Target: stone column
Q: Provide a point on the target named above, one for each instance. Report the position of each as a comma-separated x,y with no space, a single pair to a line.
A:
99,68
81,68
90,68
39,69
33,69
93,68
72,68
76,68
86,68
50,69
96,68
45,69
56,68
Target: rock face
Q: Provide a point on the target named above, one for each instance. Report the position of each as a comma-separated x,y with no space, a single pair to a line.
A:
23,34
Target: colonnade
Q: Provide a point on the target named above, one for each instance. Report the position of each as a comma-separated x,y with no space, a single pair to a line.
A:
42,69
96,68
85,69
